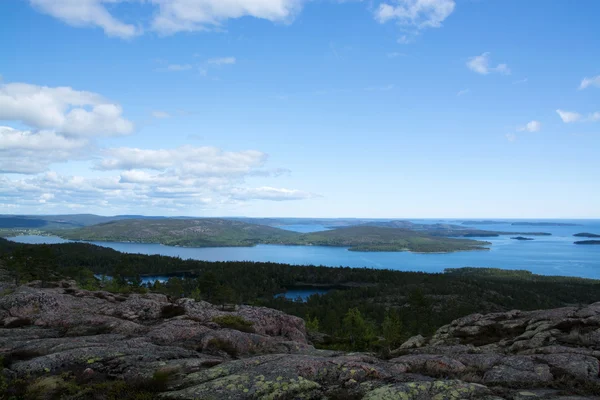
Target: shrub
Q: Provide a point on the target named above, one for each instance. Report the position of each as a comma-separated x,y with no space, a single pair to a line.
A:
234,322
223,345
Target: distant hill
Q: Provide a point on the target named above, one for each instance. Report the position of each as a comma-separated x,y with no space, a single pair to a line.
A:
215,232
45,222
198,232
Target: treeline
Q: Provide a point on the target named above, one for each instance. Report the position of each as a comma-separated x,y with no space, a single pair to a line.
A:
377,303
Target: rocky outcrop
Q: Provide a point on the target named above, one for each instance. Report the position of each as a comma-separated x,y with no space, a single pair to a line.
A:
549,354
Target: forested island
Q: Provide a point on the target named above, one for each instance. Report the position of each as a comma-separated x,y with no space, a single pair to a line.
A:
518,223
521,238
588,242
587,235
215,232
543,224
389,236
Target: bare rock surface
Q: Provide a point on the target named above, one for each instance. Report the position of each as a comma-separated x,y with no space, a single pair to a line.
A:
44,332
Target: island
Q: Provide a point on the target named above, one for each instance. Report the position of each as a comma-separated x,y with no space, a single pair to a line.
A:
216,232
448,230
587,235
521,238
484,222
588,242
543,224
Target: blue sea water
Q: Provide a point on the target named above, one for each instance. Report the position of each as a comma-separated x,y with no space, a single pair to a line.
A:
546,255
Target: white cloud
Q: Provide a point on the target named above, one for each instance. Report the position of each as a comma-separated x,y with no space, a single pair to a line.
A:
194,15
222,61
186,160
462,92
569,116
160,114
517,82
481,65
27,152
532,126
170,16
86,13
511,137
418,14
63,109
588,82
269,193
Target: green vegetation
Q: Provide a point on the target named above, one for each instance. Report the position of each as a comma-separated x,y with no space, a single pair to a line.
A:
205,232
521,238
234,322
53,221
373,238
387,306
222,233
587,235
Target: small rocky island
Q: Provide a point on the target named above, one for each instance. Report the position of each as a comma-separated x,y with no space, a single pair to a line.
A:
588,242
521,238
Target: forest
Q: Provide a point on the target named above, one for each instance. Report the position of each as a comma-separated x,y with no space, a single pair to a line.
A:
371,303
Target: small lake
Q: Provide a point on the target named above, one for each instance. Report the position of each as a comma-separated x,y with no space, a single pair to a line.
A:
546,255
301,294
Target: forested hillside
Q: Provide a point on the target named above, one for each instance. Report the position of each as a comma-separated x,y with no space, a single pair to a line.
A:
418,302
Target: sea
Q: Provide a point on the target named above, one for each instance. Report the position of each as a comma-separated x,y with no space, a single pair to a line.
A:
545,255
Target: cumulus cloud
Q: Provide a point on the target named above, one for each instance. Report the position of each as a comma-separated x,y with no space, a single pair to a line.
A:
481,65
462,92
532,126
170,16
191,160
27,152
417,14
63,109
193,15
86,13
589,82
511,137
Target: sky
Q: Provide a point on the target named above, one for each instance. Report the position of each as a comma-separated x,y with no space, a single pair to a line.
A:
301,108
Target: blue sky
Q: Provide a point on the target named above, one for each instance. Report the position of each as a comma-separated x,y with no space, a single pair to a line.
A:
324,108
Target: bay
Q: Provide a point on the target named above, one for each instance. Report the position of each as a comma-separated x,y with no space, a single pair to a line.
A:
546,255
